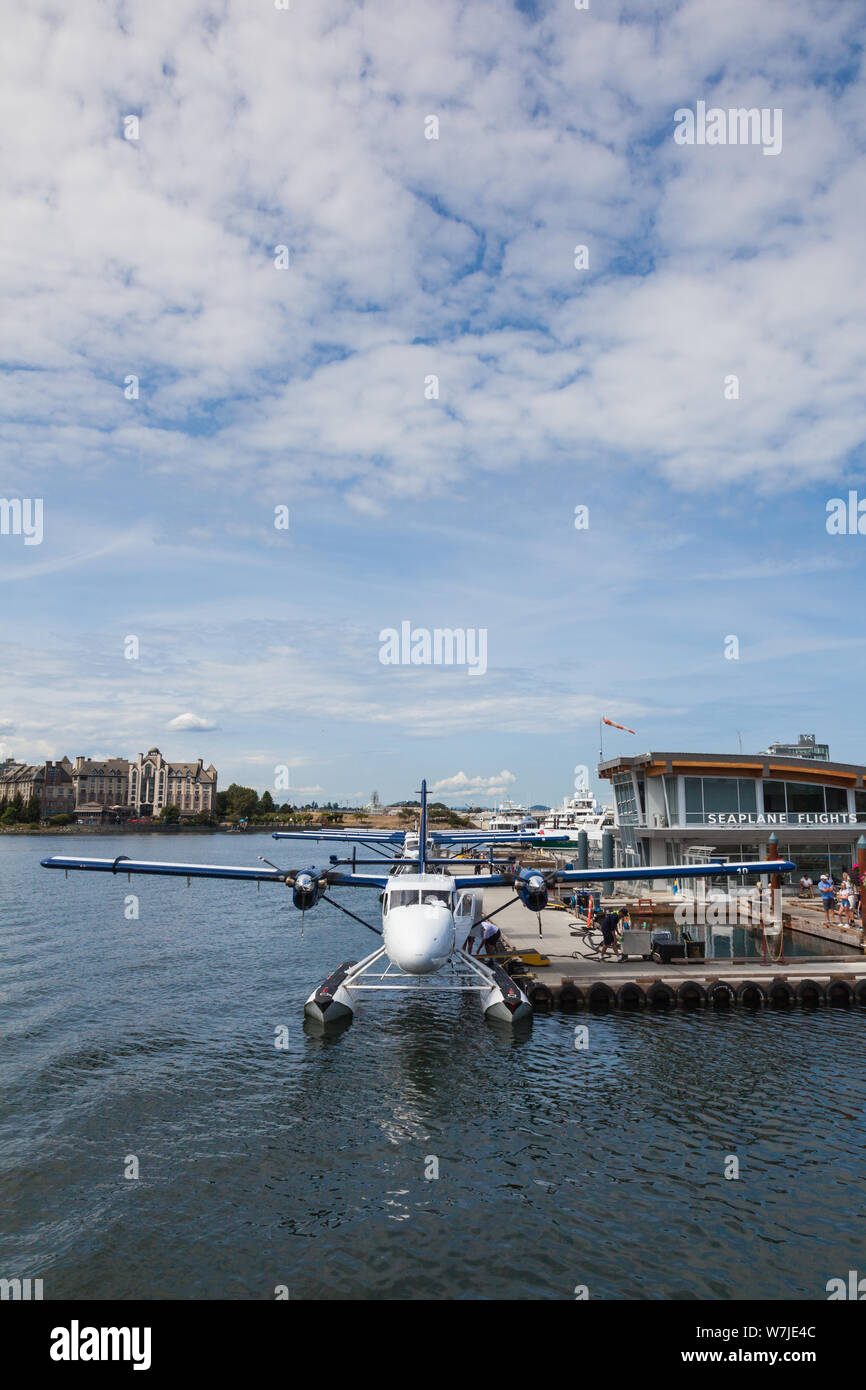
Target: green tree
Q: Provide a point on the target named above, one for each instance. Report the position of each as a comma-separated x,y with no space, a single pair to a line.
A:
169,815
266,804
9,816
240,801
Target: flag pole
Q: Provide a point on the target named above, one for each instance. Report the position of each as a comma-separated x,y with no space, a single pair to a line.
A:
600,742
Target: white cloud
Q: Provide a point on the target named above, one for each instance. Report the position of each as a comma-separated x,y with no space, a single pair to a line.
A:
703,261
411,257
191,721
476,786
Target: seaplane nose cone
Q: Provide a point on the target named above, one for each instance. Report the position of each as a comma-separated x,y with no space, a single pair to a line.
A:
420,939
536,881
303,881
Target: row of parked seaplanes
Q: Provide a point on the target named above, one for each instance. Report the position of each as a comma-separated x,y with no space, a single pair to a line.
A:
432,914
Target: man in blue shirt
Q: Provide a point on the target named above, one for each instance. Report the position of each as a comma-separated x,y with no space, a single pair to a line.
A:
828,897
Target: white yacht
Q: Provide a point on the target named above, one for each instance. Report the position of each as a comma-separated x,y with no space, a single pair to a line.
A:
511,818
579,812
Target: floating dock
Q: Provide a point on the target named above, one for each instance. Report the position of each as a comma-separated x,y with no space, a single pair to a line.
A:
577,979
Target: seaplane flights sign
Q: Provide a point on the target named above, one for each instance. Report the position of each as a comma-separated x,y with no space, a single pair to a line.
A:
781,818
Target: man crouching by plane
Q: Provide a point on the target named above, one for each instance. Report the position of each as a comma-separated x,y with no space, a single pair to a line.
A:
491,939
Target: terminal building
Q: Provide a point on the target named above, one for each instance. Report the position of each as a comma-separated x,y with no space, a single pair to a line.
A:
688,807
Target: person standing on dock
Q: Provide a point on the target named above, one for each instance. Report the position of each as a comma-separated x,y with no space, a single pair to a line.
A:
828,897
806,888
846,901
856,902
609,924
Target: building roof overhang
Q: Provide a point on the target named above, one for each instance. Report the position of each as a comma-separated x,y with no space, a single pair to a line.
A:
657,764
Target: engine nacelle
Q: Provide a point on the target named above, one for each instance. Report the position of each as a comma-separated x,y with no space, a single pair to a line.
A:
306,888
532,889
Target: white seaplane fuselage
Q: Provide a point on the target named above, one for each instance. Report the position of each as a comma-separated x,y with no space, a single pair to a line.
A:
424,920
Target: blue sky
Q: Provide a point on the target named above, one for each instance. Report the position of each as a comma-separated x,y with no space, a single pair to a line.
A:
558,387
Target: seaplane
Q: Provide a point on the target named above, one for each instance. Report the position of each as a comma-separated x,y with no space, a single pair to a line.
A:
432,912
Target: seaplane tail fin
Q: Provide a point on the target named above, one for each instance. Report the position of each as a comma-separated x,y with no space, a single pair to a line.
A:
422,828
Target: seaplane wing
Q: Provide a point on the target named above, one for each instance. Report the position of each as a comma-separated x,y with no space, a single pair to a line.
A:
398,837
492,837
382,837
123,865
549,877
353,880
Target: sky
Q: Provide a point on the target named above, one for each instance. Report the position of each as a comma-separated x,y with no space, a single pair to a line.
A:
426,382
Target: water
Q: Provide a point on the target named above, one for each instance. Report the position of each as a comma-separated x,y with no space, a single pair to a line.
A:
305,1167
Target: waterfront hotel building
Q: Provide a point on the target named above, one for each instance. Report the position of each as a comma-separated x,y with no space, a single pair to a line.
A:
686,807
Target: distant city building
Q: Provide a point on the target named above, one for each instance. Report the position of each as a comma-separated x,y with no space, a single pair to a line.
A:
111,789
100,783
57,797
155,783
805,747
19,779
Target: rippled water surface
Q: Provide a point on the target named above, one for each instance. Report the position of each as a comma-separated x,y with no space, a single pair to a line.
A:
305,1166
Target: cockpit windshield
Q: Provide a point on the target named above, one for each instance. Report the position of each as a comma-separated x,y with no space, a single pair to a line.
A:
410,897
403,897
